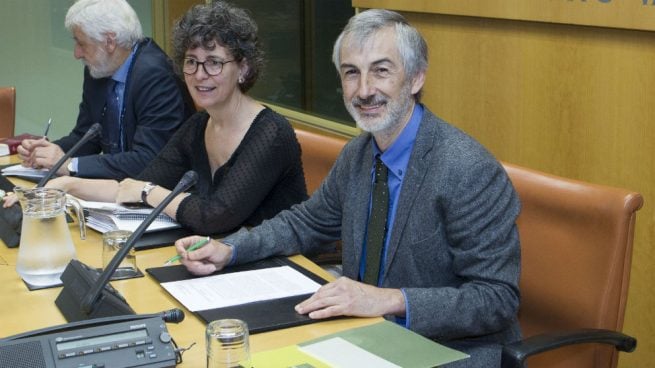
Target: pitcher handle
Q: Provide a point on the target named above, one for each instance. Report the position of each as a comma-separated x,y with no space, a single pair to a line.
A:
79,213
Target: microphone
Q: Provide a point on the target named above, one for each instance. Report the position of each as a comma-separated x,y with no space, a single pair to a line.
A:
175,315
88,295
93,131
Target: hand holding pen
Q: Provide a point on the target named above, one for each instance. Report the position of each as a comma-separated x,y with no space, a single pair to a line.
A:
206,259
26,150
196,245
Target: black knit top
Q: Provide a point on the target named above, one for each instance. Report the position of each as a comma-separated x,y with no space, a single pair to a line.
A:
263,176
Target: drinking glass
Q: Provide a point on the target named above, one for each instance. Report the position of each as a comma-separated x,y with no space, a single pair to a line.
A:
227,344
112,242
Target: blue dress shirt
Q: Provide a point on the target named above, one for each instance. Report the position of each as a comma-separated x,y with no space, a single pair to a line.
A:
396,158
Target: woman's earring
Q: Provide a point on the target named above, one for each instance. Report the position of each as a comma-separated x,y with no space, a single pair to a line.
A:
240,80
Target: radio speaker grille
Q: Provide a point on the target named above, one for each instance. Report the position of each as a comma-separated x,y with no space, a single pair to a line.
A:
22,355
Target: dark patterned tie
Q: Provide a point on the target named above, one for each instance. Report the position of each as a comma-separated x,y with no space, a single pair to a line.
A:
377,223
111,126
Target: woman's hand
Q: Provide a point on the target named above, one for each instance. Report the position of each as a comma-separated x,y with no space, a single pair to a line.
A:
65,183
129,191
9,199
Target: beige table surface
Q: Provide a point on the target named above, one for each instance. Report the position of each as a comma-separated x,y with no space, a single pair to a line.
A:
23,310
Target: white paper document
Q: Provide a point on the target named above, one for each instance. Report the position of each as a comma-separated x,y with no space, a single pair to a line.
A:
237,288
27,172
339,353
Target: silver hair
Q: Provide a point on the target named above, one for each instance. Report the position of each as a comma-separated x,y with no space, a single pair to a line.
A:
411,46
96,18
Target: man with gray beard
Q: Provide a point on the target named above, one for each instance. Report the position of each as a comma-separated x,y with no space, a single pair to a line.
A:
426,215
130,88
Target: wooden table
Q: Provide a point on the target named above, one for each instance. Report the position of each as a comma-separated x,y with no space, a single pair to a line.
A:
23,310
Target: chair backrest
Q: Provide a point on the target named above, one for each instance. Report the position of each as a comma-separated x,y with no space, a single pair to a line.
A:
576,249
7,111
319,152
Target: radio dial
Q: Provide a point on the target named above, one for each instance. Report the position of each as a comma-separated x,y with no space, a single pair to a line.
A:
165,337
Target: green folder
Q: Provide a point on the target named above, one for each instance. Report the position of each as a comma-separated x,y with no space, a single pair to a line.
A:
386,340
397,345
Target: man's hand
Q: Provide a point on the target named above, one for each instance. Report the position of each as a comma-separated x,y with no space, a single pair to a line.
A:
26,149
129,191
41,154
345,297
212,257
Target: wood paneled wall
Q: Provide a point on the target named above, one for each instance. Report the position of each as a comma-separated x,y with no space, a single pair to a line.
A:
628,14
571,100
165,14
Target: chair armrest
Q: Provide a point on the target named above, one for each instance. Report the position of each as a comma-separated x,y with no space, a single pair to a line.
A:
329,254
515,354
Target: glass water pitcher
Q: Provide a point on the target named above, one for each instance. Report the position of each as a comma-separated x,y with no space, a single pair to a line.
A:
46,246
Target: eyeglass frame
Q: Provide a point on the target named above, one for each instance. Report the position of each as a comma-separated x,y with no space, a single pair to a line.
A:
204,68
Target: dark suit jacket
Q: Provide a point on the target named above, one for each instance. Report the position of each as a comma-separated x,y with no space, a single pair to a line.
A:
454,246
156,103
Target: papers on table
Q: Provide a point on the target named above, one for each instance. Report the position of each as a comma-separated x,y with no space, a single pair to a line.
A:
25,172
338,352
238,288
106,216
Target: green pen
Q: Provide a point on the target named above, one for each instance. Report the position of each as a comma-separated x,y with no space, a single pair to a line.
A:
195,246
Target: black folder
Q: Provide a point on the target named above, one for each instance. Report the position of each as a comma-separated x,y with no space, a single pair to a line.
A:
261,316
160,238
10,218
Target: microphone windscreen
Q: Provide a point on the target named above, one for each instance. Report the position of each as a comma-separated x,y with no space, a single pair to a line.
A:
188,179
173,315
94,130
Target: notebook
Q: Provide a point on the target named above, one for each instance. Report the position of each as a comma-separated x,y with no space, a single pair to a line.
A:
23,172
107,216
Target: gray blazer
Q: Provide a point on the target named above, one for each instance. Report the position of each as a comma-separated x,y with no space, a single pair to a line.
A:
454,246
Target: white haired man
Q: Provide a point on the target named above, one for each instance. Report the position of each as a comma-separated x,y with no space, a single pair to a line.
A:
130,88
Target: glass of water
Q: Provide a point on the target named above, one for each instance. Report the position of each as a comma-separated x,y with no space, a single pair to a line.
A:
112,242
227,344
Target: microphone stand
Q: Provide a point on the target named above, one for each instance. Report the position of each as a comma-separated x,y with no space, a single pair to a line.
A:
78,304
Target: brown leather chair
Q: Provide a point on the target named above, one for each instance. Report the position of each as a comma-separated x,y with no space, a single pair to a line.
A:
319,152
576,251
7,111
